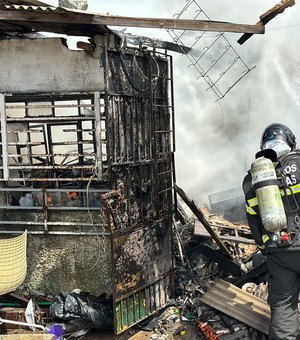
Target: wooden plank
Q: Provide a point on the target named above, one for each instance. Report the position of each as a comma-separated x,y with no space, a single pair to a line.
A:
267,16
69,17
198,213
239,304
201,231
274,11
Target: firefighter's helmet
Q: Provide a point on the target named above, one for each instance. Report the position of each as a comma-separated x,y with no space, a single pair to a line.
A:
278,131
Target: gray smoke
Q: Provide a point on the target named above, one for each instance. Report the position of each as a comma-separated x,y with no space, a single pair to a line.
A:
216,141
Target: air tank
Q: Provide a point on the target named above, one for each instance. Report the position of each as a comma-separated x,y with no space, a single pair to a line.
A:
268,195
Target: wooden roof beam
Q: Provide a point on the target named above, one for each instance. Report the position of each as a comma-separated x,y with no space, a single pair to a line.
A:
267,16
71,17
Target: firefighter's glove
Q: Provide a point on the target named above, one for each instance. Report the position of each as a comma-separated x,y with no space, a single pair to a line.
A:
265,243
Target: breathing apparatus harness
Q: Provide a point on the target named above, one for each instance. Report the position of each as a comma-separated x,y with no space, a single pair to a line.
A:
268,184
289,198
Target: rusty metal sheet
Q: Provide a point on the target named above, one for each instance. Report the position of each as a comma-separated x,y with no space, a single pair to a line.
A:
141,257
141,304
142,273
239,304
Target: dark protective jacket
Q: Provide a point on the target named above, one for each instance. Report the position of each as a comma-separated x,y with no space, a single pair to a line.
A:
288,173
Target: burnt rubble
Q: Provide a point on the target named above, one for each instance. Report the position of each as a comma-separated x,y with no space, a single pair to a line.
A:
214,288
205,265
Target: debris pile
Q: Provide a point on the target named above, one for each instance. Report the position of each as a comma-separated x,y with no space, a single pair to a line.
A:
214,290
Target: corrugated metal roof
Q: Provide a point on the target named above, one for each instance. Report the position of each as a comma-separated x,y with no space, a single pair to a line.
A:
24,2
239,304
64,25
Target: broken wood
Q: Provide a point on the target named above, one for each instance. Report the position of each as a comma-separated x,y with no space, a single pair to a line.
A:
198,213
237,239
200,230
267,16
89,48
179,243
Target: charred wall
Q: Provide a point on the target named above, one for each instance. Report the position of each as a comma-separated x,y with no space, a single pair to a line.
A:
87,168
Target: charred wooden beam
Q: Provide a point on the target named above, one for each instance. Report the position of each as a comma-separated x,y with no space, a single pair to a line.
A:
267,16
201,231
237,239
198,213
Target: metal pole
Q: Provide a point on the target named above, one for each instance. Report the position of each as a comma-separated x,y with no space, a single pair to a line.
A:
4,137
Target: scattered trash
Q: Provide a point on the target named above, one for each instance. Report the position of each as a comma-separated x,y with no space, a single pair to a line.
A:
29,313
26,200
81,305
208,331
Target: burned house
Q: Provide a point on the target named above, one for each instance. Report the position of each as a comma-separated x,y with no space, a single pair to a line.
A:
87,163
87,158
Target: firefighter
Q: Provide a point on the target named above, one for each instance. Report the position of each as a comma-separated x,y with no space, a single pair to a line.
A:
281,247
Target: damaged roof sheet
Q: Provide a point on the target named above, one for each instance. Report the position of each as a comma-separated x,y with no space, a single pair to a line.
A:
239,304
62,24
24,2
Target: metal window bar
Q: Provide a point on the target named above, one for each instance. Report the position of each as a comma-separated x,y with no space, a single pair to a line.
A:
155,178
43,201
52,106
4,138
163,142
141,136
42,124
41,195
57,233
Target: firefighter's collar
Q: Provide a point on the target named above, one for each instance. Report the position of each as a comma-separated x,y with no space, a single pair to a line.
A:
267,153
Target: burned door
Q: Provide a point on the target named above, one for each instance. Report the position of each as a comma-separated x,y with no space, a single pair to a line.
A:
140,144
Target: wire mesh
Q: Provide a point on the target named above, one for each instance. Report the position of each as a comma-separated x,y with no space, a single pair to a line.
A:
212,56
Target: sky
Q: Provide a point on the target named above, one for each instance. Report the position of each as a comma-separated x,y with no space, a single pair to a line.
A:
216,141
